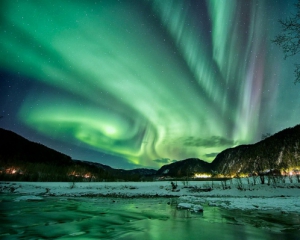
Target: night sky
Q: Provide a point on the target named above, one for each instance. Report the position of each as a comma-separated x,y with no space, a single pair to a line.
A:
143,83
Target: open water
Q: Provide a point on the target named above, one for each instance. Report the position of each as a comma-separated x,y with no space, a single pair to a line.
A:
137,218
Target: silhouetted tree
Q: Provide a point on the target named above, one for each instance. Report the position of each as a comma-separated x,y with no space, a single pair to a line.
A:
259,168
289,39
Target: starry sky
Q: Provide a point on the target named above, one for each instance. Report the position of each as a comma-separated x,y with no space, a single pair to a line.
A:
142,83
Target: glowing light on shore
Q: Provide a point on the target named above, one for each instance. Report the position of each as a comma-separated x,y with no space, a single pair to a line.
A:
201,175
12,170
75,174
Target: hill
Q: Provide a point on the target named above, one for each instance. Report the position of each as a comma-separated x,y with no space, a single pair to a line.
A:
16,148
277,153
185,168
280,151
21,159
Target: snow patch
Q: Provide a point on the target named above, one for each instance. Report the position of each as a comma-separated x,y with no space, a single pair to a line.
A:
192,199
280,196
28,198
191,207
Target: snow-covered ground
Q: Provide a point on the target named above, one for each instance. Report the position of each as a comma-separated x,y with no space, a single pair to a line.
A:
283,197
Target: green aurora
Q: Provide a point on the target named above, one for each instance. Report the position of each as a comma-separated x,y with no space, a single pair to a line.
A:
146,82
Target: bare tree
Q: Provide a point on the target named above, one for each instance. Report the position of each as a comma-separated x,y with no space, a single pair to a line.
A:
259,169
289,39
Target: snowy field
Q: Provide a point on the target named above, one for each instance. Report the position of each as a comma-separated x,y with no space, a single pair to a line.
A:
282,197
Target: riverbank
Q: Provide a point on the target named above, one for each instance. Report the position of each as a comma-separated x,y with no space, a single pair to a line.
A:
283,197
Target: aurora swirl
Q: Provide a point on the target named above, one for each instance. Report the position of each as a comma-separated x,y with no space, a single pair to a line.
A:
143,83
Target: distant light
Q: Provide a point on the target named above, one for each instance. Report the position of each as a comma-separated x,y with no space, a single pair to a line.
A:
11,171
198,175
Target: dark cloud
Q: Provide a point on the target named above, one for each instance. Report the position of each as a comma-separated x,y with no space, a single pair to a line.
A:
214,141
164,160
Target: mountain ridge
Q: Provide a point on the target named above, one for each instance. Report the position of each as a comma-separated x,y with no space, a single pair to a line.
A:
22,159
279,151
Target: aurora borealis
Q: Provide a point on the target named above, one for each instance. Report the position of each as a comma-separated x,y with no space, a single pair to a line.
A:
142,83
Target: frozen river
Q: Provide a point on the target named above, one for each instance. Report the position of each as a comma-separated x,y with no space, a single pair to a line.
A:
136,218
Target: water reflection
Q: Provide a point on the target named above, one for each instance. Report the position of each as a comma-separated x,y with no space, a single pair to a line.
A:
104,218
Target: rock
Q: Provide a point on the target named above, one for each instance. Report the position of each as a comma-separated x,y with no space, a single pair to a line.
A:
191,207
